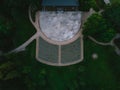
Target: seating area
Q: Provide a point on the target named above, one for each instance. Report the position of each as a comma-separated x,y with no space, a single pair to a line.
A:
60,40
56,55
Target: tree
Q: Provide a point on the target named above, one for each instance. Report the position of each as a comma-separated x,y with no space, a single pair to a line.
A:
97,27
112,15
100,4
84,5
94,5
7,71
7,30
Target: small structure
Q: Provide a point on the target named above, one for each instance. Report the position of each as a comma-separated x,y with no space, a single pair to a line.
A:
54,5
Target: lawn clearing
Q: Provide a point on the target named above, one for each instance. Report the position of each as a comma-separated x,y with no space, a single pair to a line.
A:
98,72
115,1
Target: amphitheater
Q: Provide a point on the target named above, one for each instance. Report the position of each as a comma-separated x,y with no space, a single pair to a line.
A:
60,39
61,51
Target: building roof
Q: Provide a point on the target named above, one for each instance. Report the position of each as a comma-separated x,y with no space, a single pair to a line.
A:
60,3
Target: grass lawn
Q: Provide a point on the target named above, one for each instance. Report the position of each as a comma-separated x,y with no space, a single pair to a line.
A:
98,72
115,1
117,42
24,28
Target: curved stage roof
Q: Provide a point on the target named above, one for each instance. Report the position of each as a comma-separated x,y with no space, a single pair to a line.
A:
60,3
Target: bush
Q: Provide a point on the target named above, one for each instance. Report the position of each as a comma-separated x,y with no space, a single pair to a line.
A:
7,31
84,5
100,4
94,5
117,42
97,27
112,15
94,25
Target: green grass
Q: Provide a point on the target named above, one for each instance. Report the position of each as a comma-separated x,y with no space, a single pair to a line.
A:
24,29
115,1
98,71
117,42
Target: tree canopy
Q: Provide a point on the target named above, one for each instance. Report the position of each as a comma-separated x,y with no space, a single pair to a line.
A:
97,27
112,15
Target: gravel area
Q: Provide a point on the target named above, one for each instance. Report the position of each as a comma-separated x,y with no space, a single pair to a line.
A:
59,25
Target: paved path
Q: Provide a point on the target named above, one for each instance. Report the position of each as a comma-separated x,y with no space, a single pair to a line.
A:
100,43
117,50
111,43
24,45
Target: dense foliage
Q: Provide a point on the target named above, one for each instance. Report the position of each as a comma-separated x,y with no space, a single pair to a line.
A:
117,42
112,15
97,27
7,30
100,4
85,5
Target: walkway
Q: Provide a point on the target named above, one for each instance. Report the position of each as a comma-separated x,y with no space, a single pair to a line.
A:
100,43
24,45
